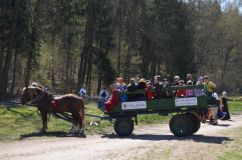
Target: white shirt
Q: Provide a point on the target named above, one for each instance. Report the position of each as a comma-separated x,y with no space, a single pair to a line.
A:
82,92
215,95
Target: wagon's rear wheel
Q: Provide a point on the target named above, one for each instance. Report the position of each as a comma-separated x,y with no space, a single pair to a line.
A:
181,125
196,122
124,126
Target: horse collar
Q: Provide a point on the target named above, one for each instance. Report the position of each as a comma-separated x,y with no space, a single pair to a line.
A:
53,104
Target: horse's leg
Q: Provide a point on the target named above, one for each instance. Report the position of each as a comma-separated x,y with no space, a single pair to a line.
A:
44,121
82,119
81,123
74,128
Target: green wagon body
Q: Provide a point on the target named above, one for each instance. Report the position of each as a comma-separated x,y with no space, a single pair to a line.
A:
186,122
166,105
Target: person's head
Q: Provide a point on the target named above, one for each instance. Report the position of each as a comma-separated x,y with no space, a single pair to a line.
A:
176,79
189,82
165,81
117,85
132,81
189,76
224,93
120,80
142,80
205,79
156,79
181,82
199,80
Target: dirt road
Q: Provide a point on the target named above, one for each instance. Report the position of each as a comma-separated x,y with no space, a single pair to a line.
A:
147,142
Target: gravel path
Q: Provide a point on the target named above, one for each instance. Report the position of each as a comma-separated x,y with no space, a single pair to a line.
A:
147,142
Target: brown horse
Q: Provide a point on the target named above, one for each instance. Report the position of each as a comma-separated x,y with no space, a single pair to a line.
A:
46,103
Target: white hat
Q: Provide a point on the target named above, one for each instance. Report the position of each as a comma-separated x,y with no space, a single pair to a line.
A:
224,93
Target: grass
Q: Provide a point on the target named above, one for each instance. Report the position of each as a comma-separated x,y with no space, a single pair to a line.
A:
18,122
235,152
235,106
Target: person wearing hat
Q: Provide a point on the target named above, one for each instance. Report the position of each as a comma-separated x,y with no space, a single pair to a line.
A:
224,106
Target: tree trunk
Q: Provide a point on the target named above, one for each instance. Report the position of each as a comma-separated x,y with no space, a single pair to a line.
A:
34,43
88,41
225,62
99,82
119,36
67,74
11,42
14,72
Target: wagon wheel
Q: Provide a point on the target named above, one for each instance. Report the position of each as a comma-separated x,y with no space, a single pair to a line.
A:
196,122
181,125
124,126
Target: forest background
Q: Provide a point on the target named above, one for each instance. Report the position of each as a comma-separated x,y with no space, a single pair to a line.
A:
67,44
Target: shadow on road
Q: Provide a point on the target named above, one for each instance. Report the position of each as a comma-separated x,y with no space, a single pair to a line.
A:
150,137
51,134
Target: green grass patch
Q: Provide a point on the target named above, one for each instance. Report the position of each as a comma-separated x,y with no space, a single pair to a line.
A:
235,152
235,106
17,122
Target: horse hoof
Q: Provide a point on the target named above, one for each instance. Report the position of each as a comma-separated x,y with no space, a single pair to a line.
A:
83,135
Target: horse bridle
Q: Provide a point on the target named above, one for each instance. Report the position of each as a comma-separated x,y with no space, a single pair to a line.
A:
39,97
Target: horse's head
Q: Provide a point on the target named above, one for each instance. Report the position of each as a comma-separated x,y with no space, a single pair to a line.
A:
29,94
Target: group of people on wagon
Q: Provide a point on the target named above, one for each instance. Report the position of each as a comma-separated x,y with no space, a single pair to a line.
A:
160,88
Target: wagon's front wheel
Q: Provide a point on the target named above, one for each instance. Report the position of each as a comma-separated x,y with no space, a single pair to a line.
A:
124,126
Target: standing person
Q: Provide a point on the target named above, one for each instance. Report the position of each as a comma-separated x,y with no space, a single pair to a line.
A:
214,110
224,106
103,97
210,87
82,92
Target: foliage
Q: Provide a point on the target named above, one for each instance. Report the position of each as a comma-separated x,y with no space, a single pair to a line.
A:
65,44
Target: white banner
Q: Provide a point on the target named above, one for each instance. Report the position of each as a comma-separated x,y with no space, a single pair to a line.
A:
133,105
186,101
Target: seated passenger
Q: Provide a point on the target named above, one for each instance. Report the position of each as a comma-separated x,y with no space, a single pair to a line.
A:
112,101
157,87
121,86
176,81
149,90
189,92
199,92
132,86
181,93
141,86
